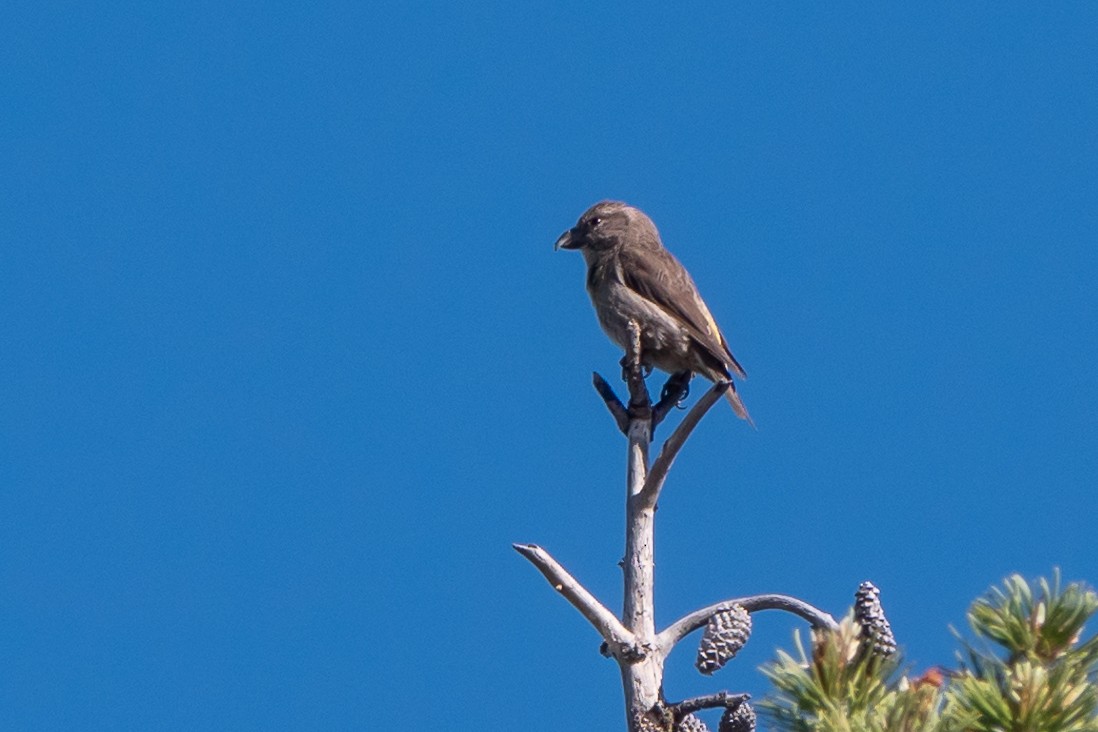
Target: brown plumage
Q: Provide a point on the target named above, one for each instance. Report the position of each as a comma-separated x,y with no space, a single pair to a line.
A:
631,276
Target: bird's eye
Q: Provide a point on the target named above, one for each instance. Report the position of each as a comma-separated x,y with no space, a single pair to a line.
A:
595,222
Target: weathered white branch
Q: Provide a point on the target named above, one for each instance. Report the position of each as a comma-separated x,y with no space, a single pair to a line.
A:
639,563
686,625
605,622
640,404
617,409
642,680
670,450
633,641
721,699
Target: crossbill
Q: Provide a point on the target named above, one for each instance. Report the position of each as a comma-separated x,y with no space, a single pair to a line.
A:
632,277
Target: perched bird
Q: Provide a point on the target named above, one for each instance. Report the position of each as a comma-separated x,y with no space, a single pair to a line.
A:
631,276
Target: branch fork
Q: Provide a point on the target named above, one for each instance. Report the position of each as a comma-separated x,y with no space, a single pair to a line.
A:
709,701
633,640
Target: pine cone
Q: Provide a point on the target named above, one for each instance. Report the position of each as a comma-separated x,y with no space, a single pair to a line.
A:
690,723
738,719
645,723
725,634
657,719
870,616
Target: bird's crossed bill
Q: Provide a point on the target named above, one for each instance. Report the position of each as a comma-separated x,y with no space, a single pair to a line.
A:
632,277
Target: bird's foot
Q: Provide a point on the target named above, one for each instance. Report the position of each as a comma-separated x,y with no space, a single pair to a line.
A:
627,368
677,388
673,394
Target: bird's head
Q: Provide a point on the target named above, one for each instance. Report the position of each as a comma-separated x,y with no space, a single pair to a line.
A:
602,227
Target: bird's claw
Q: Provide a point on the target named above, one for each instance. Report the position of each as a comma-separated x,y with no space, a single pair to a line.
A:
627,368
678,384
681,403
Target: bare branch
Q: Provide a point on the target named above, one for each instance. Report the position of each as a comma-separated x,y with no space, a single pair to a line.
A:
682,627
608,626
670,450
709,701
617,409
640,404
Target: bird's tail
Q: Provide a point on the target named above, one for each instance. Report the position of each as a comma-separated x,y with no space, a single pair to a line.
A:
737,404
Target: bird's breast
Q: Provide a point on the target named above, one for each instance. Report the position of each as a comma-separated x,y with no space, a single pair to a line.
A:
664,342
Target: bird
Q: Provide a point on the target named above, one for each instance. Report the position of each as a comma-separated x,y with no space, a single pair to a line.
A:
631,276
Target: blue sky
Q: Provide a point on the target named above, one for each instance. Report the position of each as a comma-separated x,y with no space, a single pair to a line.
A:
289,361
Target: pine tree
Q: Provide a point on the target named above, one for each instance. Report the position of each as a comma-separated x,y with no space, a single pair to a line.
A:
1027,670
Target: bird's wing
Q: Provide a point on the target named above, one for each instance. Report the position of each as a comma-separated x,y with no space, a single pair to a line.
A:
656,275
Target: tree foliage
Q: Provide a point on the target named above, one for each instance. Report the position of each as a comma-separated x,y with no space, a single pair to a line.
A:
1027,669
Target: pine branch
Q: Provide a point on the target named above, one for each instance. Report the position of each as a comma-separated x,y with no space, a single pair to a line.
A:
719,700
613,403
671,447
686,625
604,621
